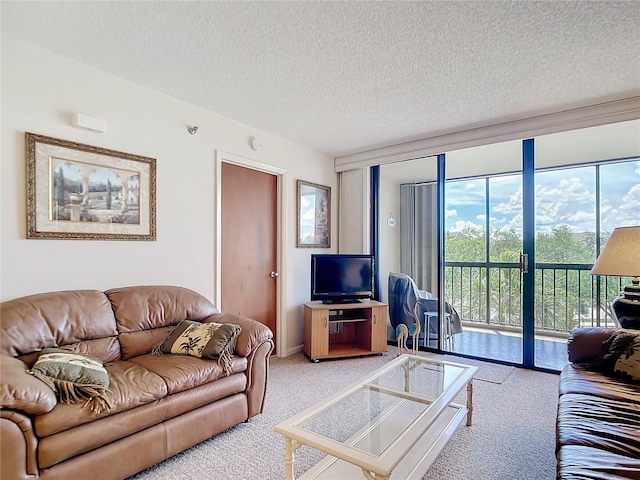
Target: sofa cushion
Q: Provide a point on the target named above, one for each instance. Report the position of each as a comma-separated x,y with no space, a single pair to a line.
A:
75,378
84,438
598,422
587,463
130,386
143,309
215,341
575,379
32,323
182,372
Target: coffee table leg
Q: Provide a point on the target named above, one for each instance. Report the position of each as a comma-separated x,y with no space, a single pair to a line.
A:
291,446
370,476
469,402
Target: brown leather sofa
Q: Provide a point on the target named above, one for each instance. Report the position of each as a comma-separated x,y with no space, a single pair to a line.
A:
161,405
598,423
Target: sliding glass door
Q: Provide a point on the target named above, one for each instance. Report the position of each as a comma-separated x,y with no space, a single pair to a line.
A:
483,245
506,234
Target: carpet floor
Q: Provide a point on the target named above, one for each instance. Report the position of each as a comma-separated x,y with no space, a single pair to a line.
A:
512,436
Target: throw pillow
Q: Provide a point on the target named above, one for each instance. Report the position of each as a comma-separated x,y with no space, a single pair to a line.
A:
622,346
628,365
205,340
74,377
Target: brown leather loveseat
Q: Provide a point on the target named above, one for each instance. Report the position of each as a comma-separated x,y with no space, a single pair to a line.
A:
161,405
598,422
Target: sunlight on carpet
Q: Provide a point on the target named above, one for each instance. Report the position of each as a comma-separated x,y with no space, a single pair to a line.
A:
487,371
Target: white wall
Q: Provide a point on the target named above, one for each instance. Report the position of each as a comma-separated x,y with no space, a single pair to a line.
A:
41,91
389,241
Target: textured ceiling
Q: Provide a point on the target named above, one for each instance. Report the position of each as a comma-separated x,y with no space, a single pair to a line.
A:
343,77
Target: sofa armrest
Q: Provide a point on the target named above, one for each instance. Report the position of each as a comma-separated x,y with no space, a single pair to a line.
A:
256,343
18,447
21,391
586,344
253,332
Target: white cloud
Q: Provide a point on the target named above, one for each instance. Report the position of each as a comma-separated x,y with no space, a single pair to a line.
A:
569,202
462,224
561,197
464,200
631,200
450,213
477,185
583,217
629,210
464,193
512,206
514,223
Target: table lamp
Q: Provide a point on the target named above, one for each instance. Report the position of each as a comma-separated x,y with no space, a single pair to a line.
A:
621,258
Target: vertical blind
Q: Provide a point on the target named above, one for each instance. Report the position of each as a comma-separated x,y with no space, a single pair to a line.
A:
418,234
353,214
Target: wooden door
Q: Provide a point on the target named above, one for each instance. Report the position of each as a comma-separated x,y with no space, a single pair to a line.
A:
249,244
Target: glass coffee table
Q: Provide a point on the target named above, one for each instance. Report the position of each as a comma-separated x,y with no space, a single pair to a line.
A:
392,423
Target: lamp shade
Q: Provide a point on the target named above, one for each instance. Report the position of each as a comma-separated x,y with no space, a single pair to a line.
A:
621,255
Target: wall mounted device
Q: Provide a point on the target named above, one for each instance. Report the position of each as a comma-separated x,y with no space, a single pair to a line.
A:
81,120
256,144
391,221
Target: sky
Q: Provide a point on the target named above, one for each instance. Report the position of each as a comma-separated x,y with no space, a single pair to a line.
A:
99,175
563,197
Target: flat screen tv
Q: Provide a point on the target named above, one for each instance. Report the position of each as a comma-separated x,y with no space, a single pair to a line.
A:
341,278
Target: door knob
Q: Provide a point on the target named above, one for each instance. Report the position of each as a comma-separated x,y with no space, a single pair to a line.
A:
274,274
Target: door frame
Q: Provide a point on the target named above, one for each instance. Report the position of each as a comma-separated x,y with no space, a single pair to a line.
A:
280,174
526,172
528,248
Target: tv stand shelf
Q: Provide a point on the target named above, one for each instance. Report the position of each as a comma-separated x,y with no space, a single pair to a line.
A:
346,320
344,329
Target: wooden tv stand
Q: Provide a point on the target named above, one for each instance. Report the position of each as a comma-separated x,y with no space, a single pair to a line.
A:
344,329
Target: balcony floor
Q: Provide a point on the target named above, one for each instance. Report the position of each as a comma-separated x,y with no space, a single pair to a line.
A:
550,352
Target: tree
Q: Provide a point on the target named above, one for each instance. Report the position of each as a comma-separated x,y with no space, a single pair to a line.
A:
466,245
561,245
562,293
505,246
58,180
108,194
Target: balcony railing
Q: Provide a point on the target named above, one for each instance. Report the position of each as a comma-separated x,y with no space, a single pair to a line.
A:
566,295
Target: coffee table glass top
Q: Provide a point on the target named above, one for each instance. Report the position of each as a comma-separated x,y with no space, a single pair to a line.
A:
373,414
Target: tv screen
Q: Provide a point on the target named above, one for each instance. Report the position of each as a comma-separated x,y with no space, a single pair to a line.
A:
341,277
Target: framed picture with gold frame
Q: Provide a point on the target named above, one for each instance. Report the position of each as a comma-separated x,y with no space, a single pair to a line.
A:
313,215
78,191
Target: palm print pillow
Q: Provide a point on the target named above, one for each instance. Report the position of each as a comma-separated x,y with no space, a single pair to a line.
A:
215,341
622,355
628,364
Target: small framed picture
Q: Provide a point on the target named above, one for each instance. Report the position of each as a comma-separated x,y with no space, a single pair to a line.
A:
313,215
77,191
